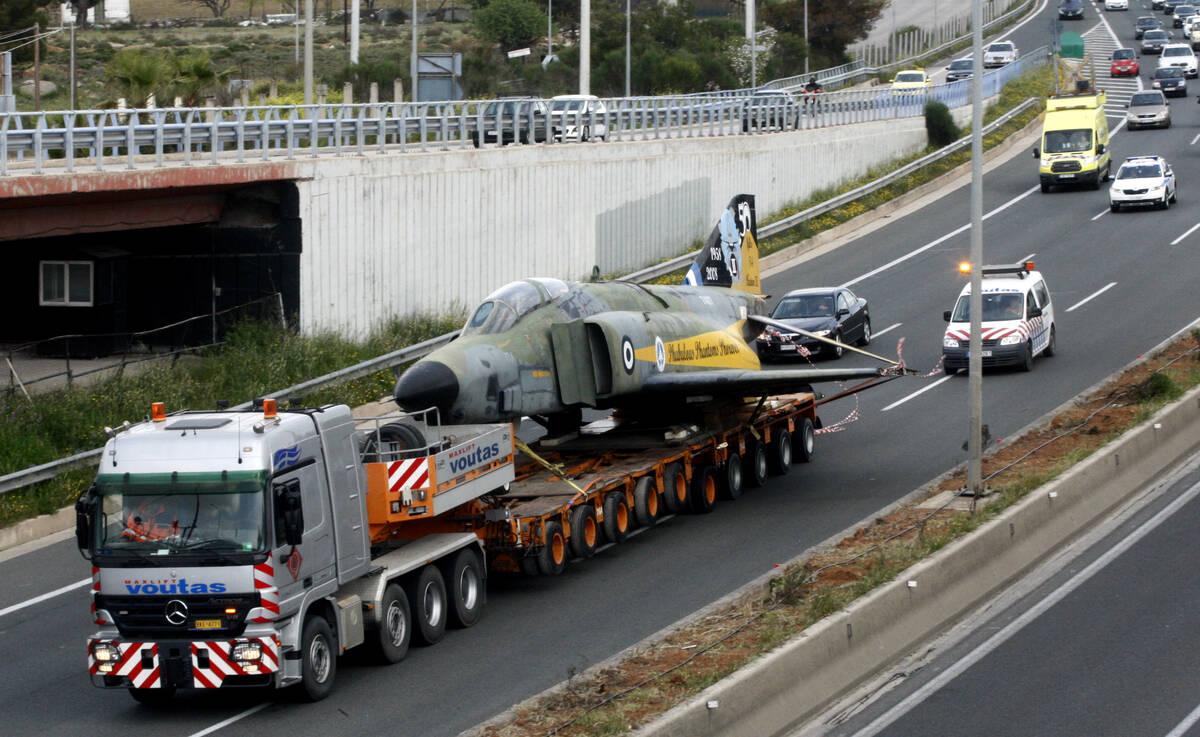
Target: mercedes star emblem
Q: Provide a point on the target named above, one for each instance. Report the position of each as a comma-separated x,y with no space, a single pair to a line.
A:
176,612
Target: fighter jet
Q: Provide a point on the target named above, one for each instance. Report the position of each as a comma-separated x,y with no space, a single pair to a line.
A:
546,348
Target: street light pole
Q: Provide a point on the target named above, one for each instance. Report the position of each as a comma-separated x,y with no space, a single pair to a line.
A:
412,59
807,53
627,49
750,38
549,28
308,52
975,345
585,47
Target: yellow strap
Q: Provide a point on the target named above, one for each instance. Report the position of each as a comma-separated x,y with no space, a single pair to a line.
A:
551,467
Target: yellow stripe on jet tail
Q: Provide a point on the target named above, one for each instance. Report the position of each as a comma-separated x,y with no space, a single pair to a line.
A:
715,349
750,280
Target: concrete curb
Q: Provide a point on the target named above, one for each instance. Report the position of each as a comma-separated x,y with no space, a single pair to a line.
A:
36,528
829,659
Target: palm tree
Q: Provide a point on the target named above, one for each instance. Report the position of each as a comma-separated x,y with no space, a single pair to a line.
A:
136,75
195,77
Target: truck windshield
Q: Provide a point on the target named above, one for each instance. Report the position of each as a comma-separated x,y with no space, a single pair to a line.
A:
1068,141
996,306
173,514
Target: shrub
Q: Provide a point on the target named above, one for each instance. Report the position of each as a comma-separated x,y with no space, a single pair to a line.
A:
940,125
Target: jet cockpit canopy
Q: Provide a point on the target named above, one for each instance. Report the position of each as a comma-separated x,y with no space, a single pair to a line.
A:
504,308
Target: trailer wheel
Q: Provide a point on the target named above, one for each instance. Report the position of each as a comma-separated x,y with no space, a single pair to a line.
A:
781,453
646,507
394,631
585,533
802,449
318,654
675,488
427,597
553,559
468,591
731,481
703,495
757,455
616,517
156,698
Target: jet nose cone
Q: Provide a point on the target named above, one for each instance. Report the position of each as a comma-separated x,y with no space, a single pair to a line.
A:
427,384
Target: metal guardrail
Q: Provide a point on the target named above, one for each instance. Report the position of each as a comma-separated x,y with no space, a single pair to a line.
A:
787,223
936,50
49,470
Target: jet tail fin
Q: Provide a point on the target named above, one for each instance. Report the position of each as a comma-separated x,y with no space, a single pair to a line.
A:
730,256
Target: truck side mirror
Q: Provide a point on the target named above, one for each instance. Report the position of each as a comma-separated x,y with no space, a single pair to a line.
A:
290,511
85,512
946,315
1036,154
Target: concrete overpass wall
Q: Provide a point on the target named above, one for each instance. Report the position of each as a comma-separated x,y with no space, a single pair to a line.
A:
393,235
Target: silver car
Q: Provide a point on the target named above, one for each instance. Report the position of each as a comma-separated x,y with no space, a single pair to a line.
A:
1148,109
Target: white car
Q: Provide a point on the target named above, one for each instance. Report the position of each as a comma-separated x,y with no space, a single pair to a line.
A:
1179,55
1142,180
1116,4
1017,320
578,117
1000,53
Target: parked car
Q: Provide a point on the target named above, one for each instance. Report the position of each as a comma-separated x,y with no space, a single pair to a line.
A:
768,109
578,118
513,119
1124,62
829,312
960,69
1000,53
1146,109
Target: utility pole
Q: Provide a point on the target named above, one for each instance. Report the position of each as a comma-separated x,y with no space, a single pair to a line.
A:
72,69
308,52
627,49
975,345
412,59
354,11
807,53
750,38
585,47
37,66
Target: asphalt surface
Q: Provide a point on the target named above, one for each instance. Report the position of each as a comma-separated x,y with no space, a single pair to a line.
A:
537,632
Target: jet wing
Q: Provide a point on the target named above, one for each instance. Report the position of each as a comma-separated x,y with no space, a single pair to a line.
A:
749,382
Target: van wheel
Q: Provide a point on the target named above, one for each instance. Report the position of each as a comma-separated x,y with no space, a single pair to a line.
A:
318,658
427,599
1045,188
1027,361
1049,349
394,632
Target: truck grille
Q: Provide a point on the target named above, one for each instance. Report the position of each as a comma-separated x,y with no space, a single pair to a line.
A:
146,616
1062,166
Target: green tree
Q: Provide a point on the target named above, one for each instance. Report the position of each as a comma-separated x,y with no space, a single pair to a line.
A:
81,8
832,26
136,74
510,23
17,15
193,77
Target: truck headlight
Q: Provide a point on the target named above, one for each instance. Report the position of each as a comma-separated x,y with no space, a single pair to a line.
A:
1010,340
105,652
948,342
247,651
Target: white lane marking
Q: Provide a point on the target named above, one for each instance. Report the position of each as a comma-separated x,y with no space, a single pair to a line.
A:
1186,724
230,720
1102,214
943,239
889,327
43,597
917,393
1197,138
1092,296
996,640
1185,235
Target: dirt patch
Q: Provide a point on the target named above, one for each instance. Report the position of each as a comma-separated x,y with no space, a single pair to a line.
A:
652,680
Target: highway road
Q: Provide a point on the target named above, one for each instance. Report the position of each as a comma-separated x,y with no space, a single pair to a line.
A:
1121,283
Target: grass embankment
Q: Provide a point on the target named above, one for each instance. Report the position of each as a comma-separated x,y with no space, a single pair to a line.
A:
633,692
257,358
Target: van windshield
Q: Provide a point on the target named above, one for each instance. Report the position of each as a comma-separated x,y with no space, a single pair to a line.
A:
1068,141
996,306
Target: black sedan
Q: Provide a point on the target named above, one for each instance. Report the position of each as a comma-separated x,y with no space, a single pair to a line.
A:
1153,41
1070,10
1171,81
1145,23
829,312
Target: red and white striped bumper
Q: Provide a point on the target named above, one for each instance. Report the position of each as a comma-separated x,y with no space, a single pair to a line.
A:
144,664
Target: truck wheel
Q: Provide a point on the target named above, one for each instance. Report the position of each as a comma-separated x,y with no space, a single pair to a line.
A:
675,488
153,697
394,632
731,480
757,455
703,495
553,559
781,453
647,507
802,451
468,591
318,654
616,516
427,597
585,533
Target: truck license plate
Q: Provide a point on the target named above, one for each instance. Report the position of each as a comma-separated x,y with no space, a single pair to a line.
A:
208,624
